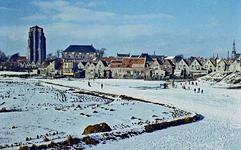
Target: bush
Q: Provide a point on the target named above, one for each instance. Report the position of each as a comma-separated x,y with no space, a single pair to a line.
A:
102,127
89,140
46,139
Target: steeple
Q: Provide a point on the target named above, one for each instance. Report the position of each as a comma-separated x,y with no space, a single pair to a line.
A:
233,55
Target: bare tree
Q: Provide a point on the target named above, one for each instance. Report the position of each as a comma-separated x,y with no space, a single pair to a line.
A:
3,57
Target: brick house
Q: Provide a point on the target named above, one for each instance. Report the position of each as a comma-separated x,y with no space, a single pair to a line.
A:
156,71
134,68
168,67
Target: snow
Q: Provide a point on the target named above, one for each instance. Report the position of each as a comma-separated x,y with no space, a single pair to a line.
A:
220,127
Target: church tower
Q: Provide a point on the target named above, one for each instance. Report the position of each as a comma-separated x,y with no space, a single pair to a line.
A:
36,51
233,54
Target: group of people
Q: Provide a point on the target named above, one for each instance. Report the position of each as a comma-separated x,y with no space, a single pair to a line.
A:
197,90
101,85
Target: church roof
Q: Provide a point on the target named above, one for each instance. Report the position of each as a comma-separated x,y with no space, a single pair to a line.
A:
81,48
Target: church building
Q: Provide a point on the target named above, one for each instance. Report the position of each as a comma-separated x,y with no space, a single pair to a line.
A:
36,51
235,55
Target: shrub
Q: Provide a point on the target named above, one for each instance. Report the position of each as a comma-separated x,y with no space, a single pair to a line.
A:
102,127
89,140
51,144
24,148
46,139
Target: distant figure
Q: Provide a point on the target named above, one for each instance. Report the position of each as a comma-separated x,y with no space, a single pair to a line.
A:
101,86
196,83
192,83
173,85
89,84
202,91
195,90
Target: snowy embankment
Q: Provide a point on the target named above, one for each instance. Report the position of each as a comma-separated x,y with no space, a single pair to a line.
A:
224,79
42,112
219,129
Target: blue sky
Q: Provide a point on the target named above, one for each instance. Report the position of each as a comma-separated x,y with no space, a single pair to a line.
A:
192,28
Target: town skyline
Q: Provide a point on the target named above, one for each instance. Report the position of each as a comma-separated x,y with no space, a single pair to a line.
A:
166,28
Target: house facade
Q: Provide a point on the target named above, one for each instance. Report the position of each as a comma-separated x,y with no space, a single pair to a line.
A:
196,68
69,68
134,68
156,72
168,67
235,66
209,66
52,68
182,68
80,52
221,65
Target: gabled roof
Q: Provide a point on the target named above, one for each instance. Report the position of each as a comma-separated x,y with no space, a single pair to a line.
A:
197,61
185,61
211,61
158,61
168,61
220,60
145,55
81,48
108,60
133,62
104,63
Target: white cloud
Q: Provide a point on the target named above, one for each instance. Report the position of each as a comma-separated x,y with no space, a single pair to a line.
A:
6,8
64,11
214,24
34,17
14,33
90,4
146,16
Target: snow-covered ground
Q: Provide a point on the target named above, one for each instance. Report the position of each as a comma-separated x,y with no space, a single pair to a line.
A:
219,129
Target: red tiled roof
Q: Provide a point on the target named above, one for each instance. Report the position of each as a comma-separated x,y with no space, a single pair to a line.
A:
116,63
107,59
22,58
133,62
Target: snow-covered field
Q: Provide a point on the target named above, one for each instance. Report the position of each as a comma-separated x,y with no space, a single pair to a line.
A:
43,110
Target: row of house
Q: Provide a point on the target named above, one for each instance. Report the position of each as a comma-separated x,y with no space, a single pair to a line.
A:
139,67
84,61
